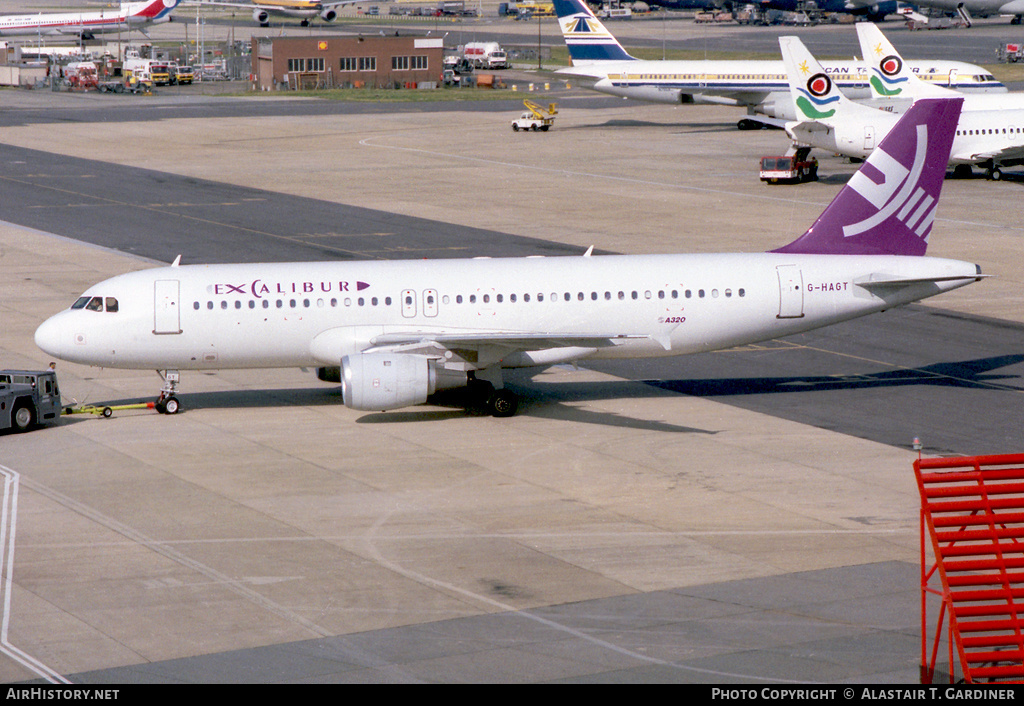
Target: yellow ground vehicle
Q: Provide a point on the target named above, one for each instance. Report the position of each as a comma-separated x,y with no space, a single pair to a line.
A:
535,117
181,74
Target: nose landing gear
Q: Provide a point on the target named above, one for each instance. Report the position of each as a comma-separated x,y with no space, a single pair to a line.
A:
167,403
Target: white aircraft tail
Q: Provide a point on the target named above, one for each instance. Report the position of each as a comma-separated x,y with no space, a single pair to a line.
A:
889,75
815,95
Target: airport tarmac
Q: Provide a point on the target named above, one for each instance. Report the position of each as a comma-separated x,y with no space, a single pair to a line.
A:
614,531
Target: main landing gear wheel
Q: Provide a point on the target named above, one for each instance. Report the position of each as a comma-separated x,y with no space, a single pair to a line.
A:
503,403
488,400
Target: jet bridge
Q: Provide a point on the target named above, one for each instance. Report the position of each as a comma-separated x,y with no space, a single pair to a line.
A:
972,513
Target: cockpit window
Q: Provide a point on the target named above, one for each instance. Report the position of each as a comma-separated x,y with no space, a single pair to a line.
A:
96,304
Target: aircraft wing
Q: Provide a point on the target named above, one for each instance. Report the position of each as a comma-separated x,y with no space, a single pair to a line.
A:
486,348
511,341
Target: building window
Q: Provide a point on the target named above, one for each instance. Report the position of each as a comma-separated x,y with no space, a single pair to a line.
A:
418,63
296,65
399,63
348,63
367,63
316,64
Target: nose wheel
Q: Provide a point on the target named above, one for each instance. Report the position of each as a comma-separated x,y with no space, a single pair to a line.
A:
167,403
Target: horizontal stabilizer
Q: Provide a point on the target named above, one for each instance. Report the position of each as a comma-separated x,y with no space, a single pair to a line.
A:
886,282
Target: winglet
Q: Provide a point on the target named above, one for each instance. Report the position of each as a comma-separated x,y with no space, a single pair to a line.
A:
586,38
890,77
177,261
888,206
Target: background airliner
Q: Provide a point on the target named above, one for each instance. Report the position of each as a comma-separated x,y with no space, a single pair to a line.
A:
263,10
130,15
990,132
395,332
979,8
760,86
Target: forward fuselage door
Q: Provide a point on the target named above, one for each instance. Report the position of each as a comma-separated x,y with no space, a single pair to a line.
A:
408,303
430,302
166,309
791,292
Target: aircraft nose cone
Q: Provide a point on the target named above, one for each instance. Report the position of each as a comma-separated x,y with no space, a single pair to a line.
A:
50,337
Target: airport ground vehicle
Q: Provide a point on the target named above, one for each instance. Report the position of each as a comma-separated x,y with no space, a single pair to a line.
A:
792,168
28,398
81,75
485,55
535,117
147,71
181,74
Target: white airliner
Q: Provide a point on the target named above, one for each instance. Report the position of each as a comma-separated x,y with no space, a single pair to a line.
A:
395,332
759,86
993,138
262,10
988,135
130,15
980,8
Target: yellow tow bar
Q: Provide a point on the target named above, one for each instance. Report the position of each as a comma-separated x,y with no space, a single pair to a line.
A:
107,410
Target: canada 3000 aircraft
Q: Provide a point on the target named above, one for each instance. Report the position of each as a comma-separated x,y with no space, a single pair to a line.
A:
759,86
131,15
395,332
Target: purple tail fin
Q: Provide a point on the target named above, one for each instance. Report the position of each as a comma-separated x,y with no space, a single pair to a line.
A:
888,206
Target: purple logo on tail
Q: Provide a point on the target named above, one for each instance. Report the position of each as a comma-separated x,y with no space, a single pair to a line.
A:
897,188
888,206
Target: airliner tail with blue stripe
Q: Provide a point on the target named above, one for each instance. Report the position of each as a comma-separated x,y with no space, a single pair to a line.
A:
586,37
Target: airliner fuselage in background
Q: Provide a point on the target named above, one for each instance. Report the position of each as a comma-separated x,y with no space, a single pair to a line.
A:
130,15
395,332
761,86
304,10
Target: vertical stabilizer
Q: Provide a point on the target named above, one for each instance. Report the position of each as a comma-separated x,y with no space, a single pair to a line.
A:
587,39
150,9
888,75
815,95
888,206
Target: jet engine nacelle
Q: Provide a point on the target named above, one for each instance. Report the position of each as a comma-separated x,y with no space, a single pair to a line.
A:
372,382
328,15
777,105
261,16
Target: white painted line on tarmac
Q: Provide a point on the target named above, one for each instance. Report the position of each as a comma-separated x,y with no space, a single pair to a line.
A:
8,525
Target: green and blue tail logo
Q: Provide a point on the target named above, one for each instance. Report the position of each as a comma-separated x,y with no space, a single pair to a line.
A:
886,79
814,101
